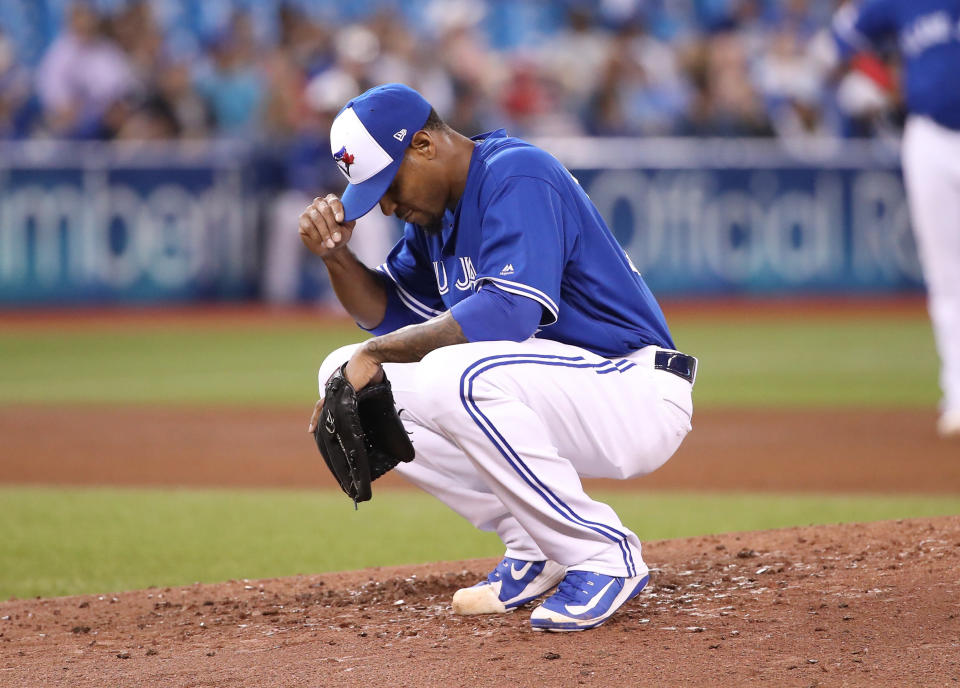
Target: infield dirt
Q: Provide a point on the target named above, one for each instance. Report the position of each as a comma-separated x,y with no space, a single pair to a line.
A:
868,605
876,451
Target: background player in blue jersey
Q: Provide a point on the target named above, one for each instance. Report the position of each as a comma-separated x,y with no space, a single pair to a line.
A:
927,35
524,349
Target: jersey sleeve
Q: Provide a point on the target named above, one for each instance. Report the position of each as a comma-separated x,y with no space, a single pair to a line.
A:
522,251
495,315
407,275
859,26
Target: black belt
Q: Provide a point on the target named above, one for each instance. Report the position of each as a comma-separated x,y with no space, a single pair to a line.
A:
677,363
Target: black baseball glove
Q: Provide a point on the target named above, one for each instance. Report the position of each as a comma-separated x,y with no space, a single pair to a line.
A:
360,434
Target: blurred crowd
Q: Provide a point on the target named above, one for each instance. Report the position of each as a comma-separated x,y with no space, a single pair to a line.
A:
613,67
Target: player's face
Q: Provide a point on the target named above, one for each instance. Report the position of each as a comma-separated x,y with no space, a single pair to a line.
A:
418,193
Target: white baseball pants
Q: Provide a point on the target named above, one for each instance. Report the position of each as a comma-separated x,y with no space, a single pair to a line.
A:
931,167
503,432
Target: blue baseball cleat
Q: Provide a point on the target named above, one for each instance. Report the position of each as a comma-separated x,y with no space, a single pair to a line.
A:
585,600
513,583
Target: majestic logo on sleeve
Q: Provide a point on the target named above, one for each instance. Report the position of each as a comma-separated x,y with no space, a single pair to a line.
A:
344,160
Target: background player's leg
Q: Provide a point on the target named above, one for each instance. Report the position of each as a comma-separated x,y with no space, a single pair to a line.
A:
931,164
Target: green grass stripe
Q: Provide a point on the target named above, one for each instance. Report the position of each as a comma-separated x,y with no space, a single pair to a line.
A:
867,361
863,361
219,365
71,541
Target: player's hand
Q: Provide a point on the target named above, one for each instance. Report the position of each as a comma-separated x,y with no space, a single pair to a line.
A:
315,418
362,369
322,229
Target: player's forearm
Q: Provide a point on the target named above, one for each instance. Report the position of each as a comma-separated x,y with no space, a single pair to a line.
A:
357,288
412,343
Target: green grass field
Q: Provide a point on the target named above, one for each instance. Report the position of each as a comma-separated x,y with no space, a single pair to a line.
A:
69,541
744,362
66,541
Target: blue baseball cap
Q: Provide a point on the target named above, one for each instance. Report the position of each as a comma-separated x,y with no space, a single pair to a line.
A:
368,139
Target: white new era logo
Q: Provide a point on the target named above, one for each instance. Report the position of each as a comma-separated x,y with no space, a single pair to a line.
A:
400,135
507,269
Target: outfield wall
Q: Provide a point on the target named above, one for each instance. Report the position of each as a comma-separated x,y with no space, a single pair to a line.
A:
108,223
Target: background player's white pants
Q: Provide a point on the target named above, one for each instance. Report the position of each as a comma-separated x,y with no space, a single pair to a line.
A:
503,431
931,166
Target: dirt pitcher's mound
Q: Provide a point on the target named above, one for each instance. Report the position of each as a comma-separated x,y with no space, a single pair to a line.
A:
867,604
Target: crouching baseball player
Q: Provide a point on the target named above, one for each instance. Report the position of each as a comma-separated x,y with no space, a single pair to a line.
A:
523,348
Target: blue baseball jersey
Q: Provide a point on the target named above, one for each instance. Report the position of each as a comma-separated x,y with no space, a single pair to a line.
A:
525,226
928,37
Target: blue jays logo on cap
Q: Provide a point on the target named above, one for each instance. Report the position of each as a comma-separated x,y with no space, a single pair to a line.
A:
344,160
374,128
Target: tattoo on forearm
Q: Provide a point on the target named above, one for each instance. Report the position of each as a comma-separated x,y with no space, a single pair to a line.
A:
412,343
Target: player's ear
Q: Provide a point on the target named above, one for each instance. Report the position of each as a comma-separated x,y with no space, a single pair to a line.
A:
424,143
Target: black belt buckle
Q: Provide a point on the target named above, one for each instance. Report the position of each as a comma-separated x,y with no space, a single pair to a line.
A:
677,363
